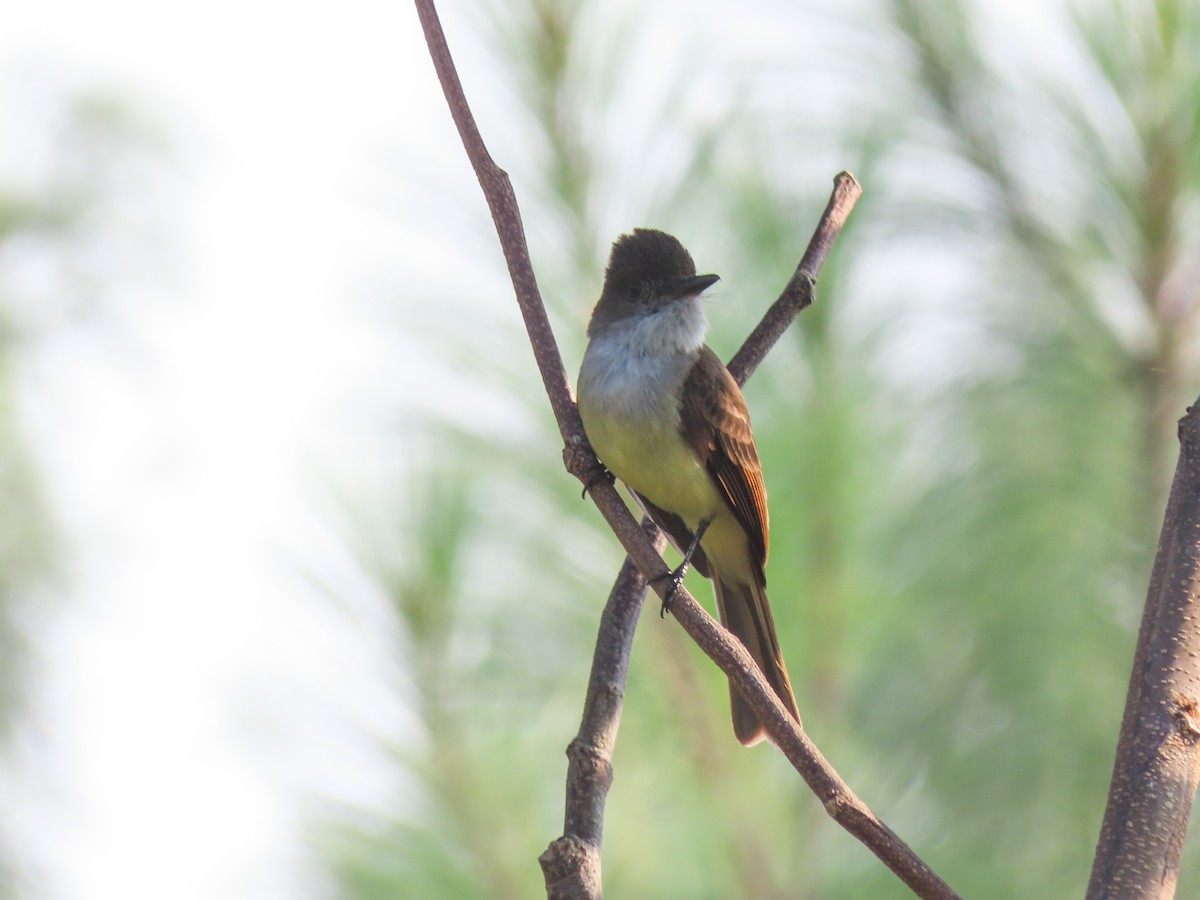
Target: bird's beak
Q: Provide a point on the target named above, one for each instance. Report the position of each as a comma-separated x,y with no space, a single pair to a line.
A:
697,284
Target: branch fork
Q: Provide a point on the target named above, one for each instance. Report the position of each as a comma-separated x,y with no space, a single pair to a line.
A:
571,864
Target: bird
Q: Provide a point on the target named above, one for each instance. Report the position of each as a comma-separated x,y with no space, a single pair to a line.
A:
664,415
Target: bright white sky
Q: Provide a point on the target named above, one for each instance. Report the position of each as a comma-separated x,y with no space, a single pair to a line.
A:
194,688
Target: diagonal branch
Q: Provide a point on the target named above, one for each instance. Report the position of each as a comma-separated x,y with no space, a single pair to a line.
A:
722,647
502,202
798,294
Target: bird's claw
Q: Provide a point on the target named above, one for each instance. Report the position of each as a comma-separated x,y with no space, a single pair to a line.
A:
676,578
678,574
600,474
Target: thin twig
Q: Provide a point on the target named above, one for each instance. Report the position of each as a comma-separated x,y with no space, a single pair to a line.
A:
722,647
497,191
798,294
502,202
842,804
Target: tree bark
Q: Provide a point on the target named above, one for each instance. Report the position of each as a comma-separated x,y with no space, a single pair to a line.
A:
1158,751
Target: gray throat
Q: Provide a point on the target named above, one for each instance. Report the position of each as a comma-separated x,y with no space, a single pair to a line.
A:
636,365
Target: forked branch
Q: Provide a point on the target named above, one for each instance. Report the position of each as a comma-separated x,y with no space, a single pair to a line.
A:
582,844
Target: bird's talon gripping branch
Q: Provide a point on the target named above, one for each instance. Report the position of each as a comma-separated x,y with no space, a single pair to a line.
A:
676,578
600,474
680,572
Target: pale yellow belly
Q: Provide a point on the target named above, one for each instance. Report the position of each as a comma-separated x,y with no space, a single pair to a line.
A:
654,460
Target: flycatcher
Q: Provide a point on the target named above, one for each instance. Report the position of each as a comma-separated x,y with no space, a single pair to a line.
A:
665,416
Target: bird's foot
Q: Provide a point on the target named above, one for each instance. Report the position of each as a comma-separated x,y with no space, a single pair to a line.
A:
599,474
677,575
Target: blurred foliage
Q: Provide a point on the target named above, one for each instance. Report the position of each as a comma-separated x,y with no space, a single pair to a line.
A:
46,215
25,549
967,443
82,150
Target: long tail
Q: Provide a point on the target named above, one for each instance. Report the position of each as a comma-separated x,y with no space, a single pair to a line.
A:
745,612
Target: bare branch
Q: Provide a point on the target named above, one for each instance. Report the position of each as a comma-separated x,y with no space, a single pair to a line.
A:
722,647
571,864
842,804
1158,752
502,202
798,294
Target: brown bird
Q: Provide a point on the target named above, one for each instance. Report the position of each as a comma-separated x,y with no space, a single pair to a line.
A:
665,416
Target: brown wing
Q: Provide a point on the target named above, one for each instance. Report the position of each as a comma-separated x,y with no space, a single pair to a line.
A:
716,422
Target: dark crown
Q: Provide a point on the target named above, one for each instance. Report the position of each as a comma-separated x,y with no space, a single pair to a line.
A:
646,257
